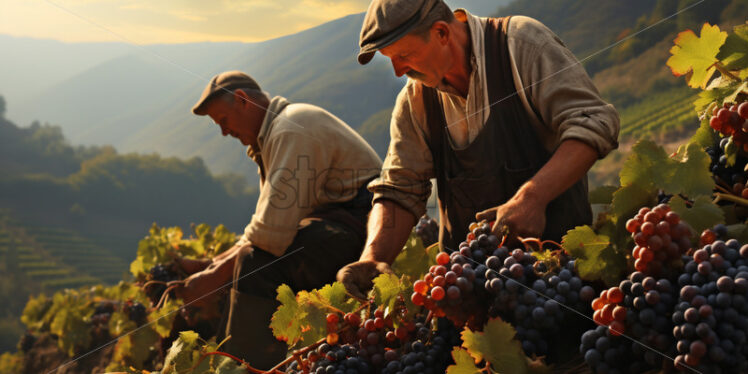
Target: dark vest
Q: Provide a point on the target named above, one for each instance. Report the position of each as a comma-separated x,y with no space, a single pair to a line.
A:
504,155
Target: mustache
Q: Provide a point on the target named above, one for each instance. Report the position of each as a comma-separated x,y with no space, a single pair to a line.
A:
415,74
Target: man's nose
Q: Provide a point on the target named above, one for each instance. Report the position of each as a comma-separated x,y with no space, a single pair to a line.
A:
400,68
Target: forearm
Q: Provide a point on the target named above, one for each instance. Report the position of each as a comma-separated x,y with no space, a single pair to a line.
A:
229,253
569,163
222,269
388,229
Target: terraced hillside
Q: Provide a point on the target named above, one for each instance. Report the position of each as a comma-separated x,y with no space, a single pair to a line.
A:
56,258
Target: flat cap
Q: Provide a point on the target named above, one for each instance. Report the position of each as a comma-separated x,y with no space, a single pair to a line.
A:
227,81
386,21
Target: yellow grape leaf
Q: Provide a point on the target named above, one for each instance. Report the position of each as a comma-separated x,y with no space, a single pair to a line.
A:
496,345
695,55
464,364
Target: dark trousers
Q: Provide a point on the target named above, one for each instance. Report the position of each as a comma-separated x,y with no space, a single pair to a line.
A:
326,246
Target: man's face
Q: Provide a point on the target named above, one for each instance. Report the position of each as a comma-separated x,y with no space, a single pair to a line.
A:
230,117
424,60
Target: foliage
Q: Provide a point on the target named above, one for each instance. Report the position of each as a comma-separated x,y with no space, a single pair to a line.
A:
162,244
696,55
300,319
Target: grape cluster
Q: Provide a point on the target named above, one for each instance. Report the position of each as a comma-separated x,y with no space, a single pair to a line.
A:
102,313
376,346
427,356
163,274
137,312
730,120
428,230
640,308
710,318
455,286
660,237
533,298
332,359
729,175
514,285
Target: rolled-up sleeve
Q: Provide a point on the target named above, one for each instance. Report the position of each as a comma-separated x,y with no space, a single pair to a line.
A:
561,90
408,166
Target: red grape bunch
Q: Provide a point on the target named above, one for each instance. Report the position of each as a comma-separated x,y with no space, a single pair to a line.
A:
730,120
660,237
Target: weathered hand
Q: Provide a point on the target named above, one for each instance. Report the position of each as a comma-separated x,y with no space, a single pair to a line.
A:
357,276
516,217
202,288
191,266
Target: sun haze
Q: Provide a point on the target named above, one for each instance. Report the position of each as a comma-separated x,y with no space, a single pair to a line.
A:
168,21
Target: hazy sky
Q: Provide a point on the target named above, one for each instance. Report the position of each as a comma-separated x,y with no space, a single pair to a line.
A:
171,21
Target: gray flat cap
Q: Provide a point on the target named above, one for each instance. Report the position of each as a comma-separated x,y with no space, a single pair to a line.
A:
227,81
387,21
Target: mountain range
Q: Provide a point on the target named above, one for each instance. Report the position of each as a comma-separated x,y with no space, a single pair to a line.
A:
137,98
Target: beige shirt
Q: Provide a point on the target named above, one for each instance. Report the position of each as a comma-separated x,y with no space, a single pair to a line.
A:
310,158
546,74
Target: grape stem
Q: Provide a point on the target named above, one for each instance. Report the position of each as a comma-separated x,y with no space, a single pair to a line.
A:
725,72
164,297
540,243
237,359
731,198
151,283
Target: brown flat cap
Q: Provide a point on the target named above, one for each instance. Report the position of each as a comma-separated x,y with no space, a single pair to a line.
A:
387,21
227,81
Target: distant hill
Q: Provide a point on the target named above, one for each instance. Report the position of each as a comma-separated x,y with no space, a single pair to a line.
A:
138,99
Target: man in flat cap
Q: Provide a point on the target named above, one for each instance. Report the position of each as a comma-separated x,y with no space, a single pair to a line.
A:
310,215
498,110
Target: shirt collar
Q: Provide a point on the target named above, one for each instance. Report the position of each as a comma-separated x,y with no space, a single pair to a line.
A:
273,111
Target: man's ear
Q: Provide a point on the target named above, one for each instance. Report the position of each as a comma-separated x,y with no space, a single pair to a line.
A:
241,98
440,29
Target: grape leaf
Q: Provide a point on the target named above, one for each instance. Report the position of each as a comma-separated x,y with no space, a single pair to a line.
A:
464,364
739,232
734,53
70,324
704,214
712,95
696,54
180,357
142,342
595,258
387,288
302,318
628,199
704,136
647,163
691,175
286,321
496,345
162,319
120,324
11,363
336,296
602,195
228,366
740,90
415,260
34,311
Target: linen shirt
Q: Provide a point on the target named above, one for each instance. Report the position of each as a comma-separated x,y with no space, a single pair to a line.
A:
307,157
552,85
